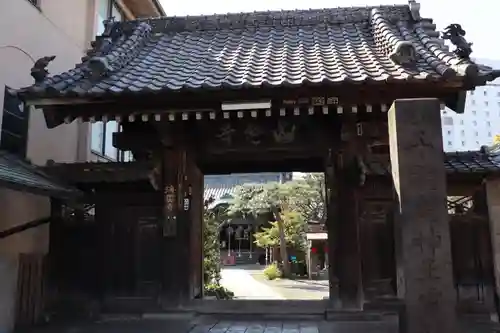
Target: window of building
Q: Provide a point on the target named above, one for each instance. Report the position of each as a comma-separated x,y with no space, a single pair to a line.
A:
476,133
101,141
498,93
449,132
486,103
14,131
485,92
102,133
105,10
474,123
463,143
472,93
462,132
489,134
474,112
488,123
126,156
449,143
487,113
473,102
461,122
447,121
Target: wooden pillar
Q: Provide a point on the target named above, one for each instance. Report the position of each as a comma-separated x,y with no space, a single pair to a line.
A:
344,251
56,245
182,224
348,247
493,201
196,207
175,228
331,225
425,268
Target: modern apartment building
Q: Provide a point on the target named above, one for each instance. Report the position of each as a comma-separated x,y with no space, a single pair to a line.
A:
480,122
30,30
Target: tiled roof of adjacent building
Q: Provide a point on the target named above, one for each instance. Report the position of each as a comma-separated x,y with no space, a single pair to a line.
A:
455,163
21,176
264,49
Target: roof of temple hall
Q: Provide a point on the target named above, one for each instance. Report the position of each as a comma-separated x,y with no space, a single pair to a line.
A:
259,49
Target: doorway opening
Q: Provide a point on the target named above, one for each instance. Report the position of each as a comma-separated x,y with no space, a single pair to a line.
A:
247,217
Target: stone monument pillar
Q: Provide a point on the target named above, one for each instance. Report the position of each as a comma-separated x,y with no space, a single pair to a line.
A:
425,276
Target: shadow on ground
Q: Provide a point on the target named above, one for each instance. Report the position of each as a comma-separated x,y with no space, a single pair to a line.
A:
121,325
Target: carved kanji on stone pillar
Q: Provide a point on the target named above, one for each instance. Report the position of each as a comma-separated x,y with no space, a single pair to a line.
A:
424,263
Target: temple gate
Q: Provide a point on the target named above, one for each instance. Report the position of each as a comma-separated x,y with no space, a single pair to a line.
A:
321,91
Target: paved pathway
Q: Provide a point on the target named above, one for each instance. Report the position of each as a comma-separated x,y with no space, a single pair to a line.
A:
244,286
279,326
300,289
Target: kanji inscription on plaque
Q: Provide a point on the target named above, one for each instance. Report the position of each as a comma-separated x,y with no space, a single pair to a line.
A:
170,218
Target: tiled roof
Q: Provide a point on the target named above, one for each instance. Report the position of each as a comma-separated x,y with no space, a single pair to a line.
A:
286,48
218,187
21,176
455,163
217,193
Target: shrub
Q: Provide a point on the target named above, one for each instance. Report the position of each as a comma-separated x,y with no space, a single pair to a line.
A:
215,289
272,272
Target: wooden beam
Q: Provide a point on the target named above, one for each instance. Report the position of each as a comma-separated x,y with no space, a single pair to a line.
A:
137,198
131,141
128,13
143,8
23,227
78,173
67,101
203,99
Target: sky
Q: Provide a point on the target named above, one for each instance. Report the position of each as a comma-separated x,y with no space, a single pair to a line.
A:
478,18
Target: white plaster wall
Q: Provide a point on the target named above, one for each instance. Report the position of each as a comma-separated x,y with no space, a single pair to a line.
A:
62,28
18,208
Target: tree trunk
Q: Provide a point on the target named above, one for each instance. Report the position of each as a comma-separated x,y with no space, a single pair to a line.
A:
283,249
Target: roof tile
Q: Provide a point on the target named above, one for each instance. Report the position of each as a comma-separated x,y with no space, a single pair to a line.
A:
288,48
455,162
19,175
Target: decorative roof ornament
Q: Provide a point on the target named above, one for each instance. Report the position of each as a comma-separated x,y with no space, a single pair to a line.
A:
98,67
455,34
39,70
108,26
414,10
404,53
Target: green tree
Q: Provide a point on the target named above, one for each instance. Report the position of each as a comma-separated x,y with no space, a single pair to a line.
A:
309,197
294,229
211,248
303,197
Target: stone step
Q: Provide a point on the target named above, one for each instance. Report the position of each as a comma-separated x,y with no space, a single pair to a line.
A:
361,316
259,307
130,305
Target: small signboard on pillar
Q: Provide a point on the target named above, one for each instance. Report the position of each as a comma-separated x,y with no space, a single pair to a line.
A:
170,219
